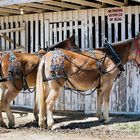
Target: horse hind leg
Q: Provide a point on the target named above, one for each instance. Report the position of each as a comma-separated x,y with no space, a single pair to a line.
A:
2,91
2,123
9,96
50,101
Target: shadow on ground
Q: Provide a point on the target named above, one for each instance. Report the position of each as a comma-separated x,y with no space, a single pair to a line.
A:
83,121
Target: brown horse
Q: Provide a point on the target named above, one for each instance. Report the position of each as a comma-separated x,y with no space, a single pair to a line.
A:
82,71
18,71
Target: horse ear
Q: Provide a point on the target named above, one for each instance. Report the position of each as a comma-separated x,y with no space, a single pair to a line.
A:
72,38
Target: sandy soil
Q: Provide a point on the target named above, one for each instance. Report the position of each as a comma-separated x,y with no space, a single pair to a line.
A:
73,127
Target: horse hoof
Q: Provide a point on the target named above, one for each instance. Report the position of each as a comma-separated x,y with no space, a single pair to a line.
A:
43,125
106,121
36,120
101,120
2,124
49,128
36,117
11,125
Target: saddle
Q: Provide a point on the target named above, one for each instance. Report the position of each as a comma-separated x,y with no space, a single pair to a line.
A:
15,73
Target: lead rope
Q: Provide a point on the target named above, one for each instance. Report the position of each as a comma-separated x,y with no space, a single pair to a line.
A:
25,84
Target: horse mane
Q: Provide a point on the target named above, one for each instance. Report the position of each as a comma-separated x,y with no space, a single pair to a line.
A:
122,42
63,43
57,45
115,45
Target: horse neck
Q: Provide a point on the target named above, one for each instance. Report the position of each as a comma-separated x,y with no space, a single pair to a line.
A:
123,50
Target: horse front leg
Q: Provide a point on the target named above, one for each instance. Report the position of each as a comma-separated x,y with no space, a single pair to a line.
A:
106,98
99,113
9,96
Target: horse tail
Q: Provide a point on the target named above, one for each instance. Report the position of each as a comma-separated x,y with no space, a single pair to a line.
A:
39,95
35,110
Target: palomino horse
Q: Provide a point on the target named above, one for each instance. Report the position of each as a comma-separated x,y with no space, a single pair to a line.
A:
18,71
82,71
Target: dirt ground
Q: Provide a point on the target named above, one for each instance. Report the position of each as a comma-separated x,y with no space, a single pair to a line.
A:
73,127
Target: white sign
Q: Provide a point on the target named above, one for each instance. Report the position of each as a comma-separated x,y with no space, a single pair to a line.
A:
115,15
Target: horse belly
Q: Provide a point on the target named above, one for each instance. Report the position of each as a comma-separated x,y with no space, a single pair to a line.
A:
85,80
31,80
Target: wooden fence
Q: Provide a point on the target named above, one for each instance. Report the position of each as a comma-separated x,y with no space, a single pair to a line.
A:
90,28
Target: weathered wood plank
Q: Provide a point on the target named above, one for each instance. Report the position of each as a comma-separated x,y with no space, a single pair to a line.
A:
136,8
60,25
129,22
47,34
65,25
26,32
41,16
51,34
123,27
17,33
109,33
12,30
2,39
31,34
12,33
6,21
103,25
96,29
